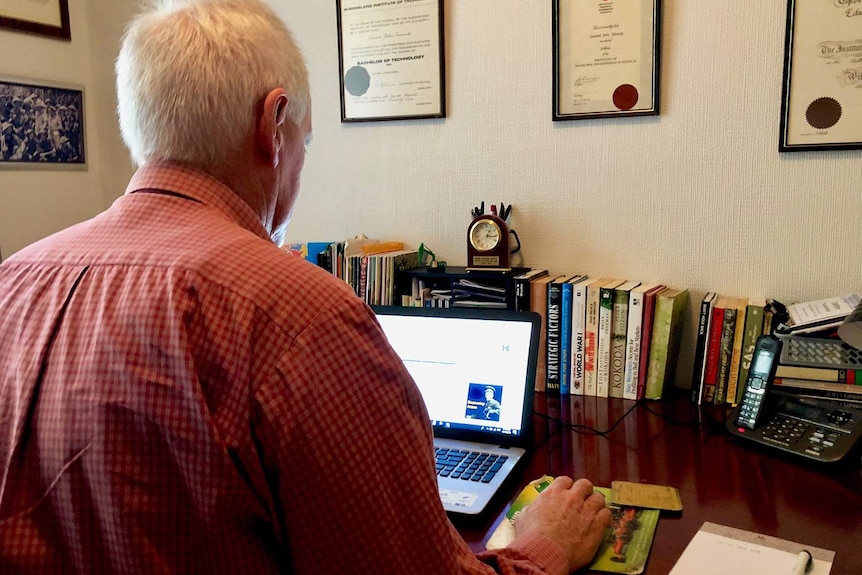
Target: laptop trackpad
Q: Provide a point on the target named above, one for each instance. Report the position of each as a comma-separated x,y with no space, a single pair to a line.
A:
457,499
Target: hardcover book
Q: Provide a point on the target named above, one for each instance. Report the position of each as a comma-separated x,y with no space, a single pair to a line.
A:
626,543
712,350
605,335
703,324
646,336
634,339
664,348
619,334
522,288
826,374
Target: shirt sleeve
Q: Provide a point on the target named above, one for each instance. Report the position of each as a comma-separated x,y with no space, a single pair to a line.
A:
347,448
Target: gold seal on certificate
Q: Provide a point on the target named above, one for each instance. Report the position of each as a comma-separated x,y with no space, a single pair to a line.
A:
606,58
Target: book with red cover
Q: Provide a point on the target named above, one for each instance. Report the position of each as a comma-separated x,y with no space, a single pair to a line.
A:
646,336
713,347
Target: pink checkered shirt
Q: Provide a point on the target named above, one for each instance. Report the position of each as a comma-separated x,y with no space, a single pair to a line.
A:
178,395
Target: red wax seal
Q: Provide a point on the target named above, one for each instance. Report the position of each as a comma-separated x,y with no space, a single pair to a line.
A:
625,97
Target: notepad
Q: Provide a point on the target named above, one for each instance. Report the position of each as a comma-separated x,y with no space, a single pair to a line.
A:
720,550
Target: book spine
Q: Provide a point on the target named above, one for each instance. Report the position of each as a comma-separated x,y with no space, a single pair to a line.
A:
728,329
753,329
667,330
843,376
633,345
700,349
712,353
603,351
736,354
552,358
539,304
619,334
591,332
522,294
646,341
579,308
565,339
835,391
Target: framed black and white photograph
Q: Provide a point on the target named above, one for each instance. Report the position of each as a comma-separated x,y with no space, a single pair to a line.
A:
821,96
606,58
43,17
390,60
41,125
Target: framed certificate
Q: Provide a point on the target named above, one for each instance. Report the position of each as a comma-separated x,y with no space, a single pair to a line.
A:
821,96
44,17
390,59
606,58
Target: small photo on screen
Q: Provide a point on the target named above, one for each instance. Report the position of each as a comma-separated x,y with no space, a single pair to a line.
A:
484,401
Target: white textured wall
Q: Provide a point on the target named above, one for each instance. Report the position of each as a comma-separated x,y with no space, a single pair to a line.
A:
696,197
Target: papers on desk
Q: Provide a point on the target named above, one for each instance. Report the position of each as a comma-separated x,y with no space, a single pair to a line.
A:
719,550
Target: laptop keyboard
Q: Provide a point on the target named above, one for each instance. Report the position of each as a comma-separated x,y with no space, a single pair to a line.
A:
468,465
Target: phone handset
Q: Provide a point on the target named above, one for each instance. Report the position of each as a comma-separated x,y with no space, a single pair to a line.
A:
763,365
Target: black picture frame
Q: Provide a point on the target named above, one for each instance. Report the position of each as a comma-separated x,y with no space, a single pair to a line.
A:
366,95
612,99
34,21
821,89
41,125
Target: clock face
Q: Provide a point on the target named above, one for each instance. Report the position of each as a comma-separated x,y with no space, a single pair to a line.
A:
485,235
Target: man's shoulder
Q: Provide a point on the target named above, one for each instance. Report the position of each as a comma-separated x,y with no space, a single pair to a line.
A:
278,281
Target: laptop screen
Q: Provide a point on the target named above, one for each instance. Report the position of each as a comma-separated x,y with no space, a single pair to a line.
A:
473,370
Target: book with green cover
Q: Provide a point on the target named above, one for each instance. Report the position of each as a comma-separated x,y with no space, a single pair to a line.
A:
664,344
626,543
605,337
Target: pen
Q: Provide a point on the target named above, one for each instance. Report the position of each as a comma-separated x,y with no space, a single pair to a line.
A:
803,563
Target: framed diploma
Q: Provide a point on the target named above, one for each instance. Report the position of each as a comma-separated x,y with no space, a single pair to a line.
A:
821,96
44,17
390,59
606,58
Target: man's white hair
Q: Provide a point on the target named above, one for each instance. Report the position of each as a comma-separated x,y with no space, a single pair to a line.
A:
191,73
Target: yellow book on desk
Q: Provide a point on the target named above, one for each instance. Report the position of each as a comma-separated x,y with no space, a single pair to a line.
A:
626,543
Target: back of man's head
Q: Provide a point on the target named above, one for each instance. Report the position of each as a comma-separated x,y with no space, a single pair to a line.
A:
191,72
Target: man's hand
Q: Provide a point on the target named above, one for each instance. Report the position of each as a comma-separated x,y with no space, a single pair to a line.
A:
572,515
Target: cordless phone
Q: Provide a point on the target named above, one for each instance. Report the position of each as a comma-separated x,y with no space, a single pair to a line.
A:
763,365
812,428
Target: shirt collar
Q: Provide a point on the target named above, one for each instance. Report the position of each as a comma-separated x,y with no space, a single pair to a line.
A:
200,186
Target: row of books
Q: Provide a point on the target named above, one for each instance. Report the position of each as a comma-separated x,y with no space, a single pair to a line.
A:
368,266
728,328
603,337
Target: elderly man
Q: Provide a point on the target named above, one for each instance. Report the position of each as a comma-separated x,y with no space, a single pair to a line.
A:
167,373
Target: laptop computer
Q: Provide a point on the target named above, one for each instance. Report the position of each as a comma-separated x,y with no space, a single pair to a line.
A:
475,369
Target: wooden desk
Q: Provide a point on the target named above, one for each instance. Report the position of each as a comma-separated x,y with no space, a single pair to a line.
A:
720,479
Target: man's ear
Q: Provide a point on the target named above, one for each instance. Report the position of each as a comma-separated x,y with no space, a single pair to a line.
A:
270,137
